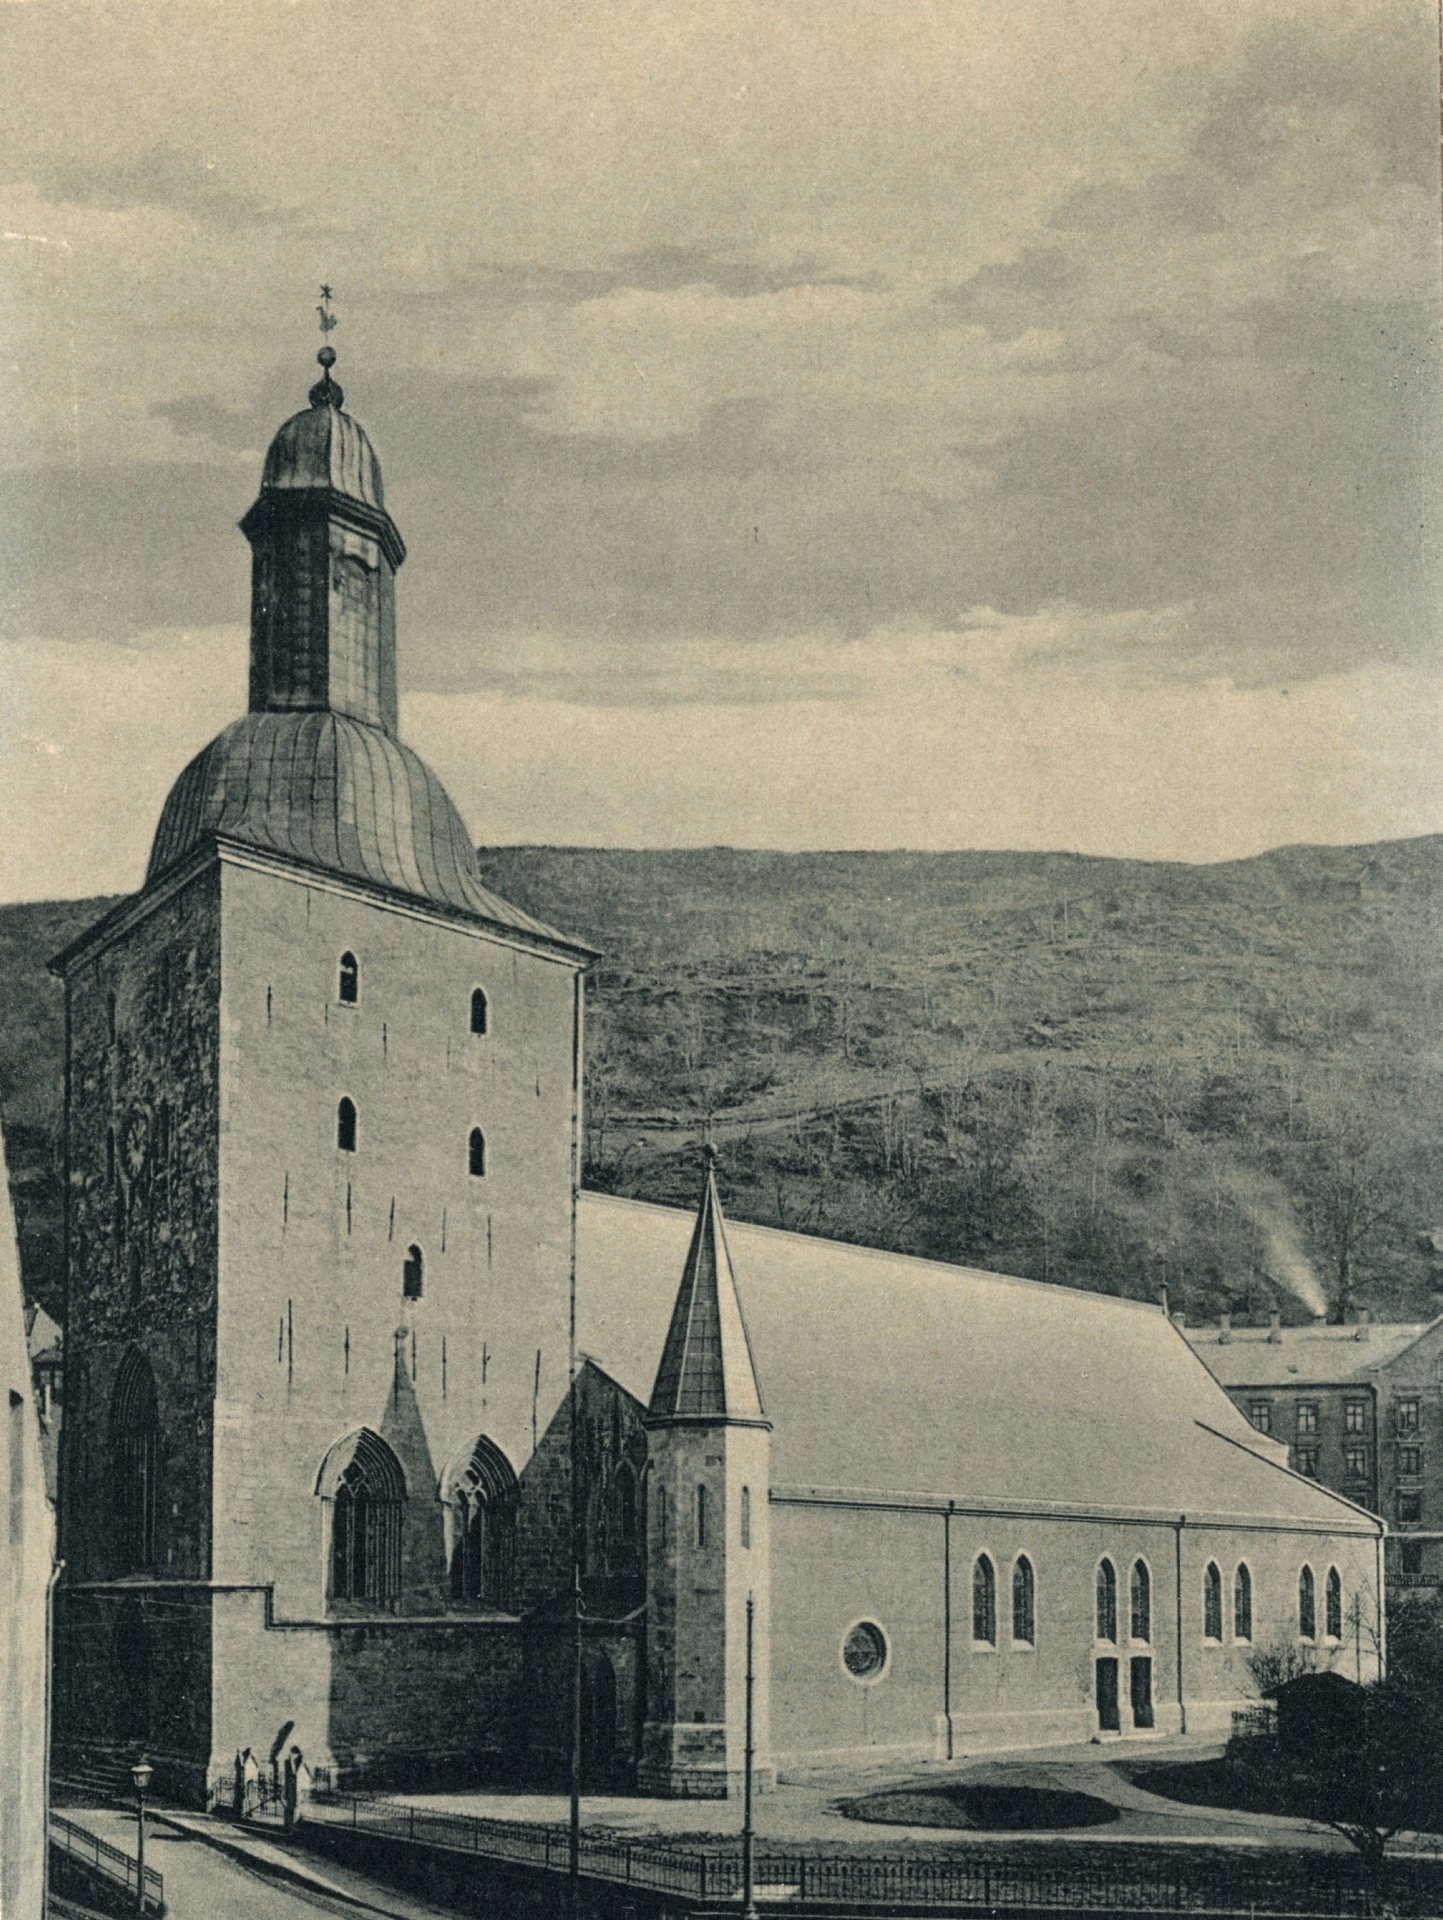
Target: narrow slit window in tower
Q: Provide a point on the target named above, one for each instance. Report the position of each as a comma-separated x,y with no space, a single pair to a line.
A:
413,1274
346,1125
479,1010
476,1153
348,985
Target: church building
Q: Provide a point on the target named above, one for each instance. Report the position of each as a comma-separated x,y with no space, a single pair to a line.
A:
362,1390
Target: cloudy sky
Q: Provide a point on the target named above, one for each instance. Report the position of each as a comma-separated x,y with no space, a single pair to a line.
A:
931,423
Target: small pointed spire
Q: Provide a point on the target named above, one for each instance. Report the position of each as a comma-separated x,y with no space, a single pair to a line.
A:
707,1373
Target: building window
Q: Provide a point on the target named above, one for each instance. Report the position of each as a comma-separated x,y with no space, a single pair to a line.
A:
481,1503
346,1125
1212,1602
1355,1462
135,1452
476,1153
413,1274
1333,1605
1307,1416
1106,1601
746,1516
1307,1461
1024,1602
1242,1603
661,1519
363,1480
626,1504
701,1515
1407,1415
1140,1594
1307,1609
480,1012
864,1651
1260,1412
984,1602
1355,1417
348,982
1410,1460
1410,1506
1410,1554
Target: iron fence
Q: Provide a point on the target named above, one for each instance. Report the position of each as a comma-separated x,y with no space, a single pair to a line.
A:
115,1864
1113,1879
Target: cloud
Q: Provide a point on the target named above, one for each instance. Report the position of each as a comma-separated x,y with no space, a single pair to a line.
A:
185,181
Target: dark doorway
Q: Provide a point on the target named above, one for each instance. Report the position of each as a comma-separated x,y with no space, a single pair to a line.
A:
598,1718
1142,1691
1109,1719
130,1676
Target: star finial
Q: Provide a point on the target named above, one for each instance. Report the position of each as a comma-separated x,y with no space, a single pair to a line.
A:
326,393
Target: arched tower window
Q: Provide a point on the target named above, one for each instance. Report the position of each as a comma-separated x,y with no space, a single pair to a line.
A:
363,1481
1333,1605
1140,1596
135,1455
480,1012
1212,1602
746,1520
1024,1602
1106,1600
346,1125
476,1153
413,1273
480,1498
701,1515
1307,1606
984,1601
1242,1603
348,981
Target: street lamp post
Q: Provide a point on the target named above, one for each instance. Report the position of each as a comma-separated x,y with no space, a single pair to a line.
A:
140,1774
749,1751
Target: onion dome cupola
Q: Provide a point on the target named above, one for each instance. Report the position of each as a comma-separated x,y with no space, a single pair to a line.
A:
316,772
324,559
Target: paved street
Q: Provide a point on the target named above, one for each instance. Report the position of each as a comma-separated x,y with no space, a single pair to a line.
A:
204,1883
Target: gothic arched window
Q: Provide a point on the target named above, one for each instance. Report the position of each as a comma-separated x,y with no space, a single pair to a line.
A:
1106,1600
1140,1623
363,1481
413,1274
984,1602
1333,1605
1242,1603
701,1516
481,1503
1307,1606
346,1125
746,1519
1024,1602
135,1451
476,1153
348,980
479,1010
1212,1602
626,1504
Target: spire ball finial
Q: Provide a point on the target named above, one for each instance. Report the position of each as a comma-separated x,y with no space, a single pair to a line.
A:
326,357
325,393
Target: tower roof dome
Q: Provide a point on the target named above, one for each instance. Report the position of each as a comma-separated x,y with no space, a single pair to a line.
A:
324,447
336,794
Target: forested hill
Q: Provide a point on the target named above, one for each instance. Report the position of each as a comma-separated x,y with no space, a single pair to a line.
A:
1112,1073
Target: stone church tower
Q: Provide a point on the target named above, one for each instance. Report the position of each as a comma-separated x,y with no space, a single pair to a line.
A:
321,1121
710,1536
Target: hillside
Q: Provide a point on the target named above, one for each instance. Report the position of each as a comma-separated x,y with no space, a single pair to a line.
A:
1115,1074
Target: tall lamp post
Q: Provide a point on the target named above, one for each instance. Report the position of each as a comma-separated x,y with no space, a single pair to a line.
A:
140,1774
749,1754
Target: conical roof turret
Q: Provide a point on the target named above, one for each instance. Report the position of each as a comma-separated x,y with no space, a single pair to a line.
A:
707,1375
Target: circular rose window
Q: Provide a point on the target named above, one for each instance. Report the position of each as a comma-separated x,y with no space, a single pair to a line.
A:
864,1651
